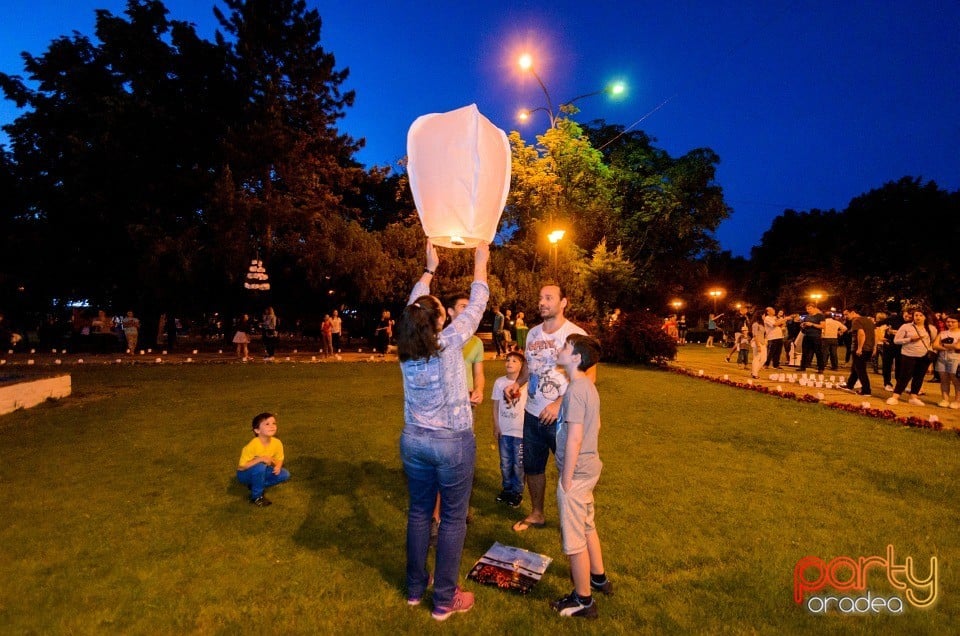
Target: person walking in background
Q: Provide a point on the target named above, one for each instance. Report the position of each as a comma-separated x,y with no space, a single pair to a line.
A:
336,324
832,329
891,350
682,329
741,329
326,336
522,331
437,445
947,346
131,331
384,332
862,344
773,326
914,337
241,338
498,321
812,329
758,344
711,330
269,329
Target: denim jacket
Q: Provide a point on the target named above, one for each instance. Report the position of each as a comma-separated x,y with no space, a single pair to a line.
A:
435,393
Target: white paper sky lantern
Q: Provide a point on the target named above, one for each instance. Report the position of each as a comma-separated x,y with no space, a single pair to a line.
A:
459,168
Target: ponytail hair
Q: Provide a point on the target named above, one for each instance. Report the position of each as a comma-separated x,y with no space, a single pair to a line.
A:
417,329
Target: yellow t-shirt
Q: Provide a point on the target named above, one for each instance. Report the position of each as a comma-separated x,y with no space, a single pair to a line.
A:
472,353
255,448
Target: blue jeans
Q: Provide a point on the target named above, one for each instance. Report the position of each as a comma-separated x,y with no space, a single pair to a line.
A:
511,464
260,477
437,462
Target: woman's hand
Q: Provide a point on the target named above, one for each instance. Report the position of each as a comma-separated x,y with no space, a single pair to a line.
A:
480,258
433,259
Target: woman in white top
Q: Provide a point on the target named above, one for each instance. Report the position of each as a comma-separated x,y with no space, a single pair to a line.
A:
915,338
947,346
759,344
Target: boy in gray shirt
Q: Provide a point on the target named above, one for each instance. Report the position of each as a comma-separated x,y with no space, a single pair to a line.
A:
579,465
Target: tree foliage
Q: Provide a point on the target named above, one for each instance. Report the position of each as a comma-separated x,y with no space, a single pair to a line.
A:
891,242
150,166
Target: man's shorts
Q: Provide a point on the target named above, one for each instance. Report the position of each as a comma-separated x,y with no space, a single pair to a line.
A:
539,441
576,511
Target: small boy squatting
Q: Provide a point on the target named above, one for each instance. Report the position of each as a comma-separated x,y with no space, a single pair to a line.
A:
261,460
579,465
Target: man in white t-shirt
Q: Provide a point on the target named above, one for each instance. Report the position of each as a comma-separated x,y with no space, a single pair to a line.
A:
545,383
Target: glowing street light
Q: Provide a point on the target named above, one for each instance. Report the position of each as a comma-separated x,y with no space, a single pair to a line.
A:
526,63
716,294
554,238
816,297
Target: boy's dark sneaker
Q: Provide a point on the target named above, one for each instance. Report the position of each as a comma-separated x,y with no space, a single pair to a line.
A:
606,587
261,502
503,497
515,500
570,605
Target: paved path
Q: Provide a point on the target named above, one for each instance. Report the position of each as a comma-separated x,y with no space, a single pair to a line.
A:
696,357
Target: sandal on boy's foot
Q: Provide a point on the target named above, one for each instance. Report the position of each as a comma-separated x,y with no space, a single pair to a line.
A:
523,526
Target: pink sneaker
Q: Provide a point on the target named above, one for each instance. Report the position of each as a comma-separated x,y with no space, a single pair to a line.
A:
462,602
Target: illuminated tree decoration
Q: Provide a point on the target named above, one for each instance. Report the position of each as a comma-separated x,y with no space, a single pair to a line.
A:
257,279
459,168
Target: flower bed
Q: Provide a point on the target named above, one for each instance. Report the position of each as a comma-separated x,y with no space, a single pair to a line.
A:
884,414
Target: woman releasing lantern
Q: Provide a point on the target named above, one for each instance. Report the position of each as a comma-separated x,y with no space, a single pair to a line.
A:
438,446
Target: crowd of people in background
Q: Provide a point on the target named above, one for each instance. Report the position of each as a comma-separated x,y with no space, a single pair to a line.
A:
900,346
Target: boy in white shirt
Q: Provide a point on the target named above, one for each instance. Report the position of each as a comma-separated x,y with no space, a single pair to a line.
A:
508,430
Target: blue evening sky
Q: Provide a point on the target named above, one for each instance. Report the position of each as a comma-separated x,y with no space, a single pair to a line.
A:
808,103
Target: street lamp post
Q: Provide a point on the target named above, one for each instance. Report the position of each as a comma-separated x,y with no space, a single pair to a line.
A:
554,238
715,294
526,63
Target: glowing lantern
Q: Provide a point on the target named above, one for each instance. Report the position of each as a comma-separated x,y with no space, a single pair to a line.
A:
459,168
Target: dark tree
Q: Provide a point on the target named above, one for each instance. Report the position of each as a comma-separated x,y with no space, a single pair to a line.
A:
114,157
290,168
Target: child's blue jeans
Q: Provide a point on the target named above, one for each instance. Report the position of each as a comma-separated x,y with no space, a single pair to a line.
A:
511,464
260,477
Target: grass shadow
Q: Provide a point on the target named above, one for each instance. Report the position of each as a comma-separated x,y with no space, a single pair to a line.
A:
355,510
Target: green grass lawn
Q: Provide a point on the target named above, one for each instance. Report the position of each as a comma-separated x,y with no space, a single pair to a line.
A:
121,512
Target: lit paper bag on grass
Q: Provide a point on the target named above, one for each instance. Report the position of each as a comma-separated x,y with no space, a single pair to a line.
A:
459,168
510,568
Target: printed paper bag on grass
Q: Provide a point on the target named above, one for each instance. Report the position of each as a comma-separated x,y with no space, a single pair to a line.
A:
510,568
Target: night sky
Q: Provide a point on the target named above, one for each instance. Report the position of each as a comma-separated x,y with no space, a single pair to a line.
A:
808,104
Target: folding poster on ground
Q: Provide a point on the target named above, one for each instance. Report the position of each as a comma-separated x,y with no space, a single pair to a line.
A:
510,568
